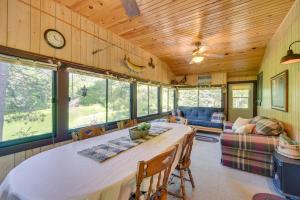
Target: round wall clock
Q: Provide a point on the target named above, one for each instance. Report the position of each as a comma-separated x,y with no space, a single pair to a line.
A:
54,38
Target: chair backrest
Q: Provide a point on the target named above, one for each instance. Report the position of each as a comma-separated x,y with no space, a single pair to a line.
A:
127,123
183,121
87,132
159,166
130,123
187,145
172,119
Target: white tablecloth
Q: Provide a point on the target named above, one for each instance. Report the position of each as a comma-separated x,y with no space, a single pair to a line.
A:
62,173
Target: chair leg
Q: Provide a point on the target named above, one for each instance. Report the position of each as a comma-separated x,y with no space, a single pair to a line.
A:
191,177
182,184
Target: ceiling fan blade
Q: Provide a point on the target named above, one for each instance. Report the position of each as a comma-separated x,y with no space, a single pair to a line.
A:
131,8
203,48
211,55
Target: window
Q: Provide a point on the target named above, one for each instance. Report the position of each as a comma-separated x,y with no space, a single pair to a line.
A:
87,104
167,99
240,98
153,99
147,100
208,97
171,99
188,97
26,94
118,100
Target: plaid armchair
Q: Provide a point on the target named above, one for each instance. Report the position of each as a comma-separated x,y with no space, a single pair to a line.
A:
247,152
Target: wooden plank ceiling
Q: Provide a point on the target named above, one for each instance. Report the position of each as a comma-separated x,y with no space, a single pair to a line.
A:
238,29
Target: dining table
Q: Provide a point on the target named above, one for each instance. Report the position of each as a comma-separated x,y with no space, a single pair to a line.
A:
62,173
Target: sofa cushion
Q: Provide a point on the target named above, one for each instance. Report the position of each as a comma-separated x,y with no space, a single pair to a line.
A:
246,129
199,113
268,127
239,122
250,142
204,123
217,117
255,119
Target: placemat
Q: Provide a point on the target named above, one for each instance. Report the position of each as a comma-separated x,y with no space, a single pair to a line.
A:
102,152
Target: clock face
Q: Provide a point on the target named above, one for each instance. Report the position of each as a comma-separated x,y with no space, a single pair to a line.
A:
54,38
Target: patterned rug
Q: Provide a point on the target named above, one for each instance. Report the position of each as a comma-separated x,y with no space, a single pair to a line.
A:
206,138
266,196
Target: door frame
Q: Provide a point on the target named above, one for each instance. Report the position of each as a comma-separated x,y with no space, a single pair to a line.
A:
254,95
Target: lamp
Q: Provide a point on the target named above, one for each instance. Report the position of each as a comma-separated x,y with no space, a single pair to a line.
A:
197,57
290,57
84,91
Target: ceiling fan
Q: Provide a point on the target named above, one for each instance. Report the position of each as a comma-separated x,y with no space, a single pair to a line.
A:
131,8
199,54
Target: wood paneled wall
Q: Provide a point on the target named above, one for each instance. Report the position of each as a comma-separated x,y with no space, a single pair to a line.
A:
216,79
22,26
241,78
288,32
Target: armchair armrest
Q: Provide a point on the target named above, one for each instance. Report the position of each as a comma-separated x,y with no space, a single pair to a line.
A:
227,125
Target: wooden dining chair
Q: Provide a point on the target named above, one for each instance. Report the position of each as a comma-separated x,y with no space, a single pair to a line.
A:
87,132
130,123
184,165
172,119
127,123
160,167
183,121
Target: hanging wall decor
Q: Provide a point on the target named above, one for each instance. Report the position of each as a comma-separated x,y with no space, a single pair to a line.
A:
132,66
279,91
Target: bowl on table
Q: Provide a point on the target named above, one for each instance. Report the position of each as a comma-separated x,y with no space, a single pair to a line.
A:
142,130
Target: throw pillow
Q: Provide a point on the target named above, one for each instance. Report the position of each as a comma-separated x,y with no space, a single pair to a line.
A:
246,129
269,127
217,117
239,122
256,119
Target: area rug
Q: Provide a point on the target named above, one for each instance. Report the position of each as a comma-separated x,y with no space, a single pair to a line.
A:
266,196
206,138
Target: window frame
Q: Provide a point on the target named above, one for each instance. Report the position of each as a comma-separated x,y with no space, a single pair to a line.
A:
34,138
148,101
168,100
248,100
198,96
108,125
60,104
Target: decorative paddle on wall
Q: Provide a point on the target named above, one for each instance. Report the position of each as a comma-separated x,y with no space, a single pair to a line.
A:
131,8
132,66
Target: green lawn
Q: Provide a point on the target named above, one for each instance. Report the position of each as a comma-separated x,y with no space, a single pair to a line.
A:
78,117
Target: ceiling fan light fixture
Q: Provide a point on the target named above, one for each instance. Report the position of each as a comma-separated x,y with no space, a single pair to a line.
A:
197,59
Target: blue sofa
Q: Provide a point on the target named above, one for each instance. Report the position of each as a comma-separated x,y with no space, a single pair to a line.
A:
200,118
